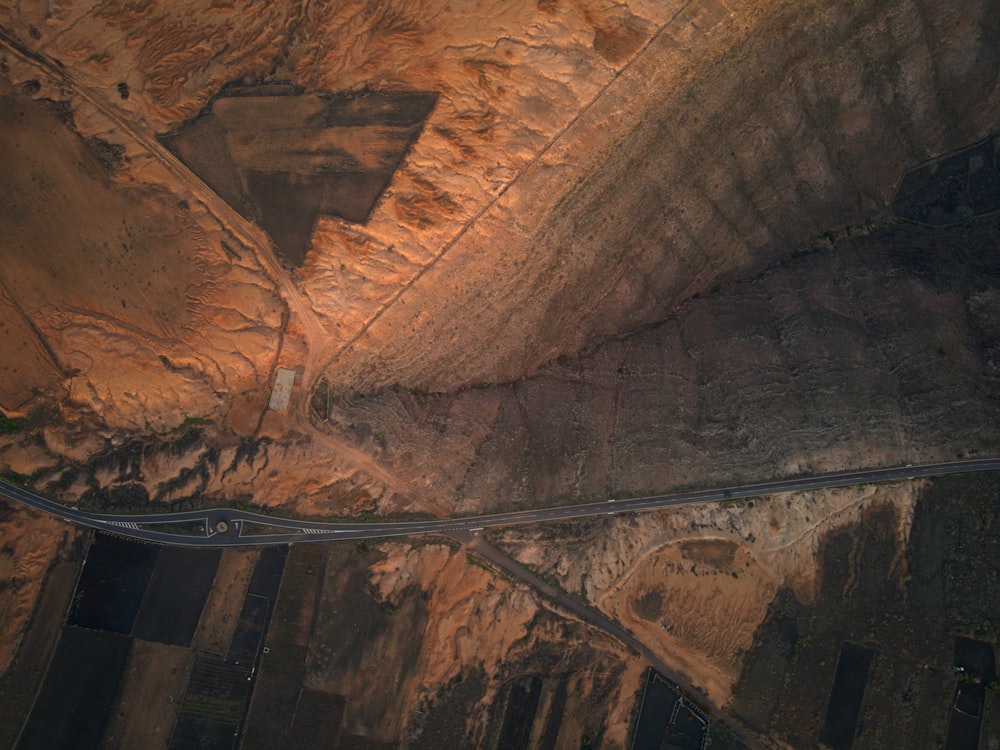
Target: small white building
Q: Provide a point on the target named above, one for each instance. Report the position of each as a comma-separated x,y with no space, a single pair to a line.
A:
282,391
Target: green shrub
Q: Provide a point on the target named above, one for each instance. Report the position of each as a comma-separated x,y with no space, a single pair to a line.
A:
9,426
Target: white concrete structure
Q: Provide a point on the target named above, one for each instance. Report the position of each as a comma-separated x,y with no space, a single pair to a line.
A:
282,391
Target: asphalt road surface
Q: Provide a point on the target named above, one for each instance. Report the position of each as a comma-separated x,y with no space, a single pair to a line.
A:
229,527
591,615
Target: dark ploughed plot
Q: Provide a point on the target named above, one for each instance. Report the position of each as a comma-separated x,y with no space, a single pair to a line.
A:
202,146
270,712
316,721
267,574
19,682
846,696
655,713
282,670
952,189
519,712
687,730
203,734
358,742
287,206
720,738
554,719
250,630
213,705
668,720
176,595
966,718
976,668
282,158
252,626
975,659
112,584
76,698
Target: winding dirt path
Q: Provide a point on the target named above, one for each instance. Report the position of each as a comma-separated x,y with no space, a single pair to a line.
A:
300,315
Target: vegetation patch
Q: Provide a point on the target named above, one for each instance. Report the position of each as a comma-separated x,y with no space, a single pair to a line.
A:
649,606
8,425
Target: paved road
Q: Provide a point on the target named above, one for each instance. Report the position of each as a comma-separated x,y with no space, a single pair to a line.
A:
596,618
229,527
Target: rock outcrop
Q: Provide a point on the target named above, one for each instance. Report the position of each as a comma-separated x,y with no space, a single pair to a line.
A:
880,350
733,139
586,169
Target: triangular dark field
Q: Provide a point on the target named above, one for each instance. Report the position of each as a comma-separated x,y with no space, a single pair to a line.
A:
282,158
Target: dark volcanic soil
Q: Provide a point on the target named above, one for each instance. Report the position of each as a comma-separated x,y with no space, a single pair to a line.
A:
882,349
905,608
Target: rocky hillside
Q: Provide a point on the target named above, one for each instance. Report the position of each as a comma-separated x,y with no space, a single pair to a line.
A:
880,350
732,140
586,168
546,304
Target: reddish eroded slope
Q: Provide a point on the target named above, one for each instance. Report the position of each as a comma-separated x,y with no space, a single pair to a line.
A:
113,272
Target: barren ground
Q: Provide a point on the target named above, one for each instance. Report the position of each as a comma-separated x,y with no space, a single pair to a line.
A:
155,678
32,544
222,609
634,247
695,583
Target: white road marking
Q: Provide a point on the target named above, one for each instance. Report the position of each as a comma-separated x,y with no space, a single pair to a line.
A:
125,524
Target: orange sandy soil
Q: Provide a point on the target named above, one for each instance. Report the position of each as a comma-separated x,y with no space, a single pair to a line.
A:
563,135
630,155
532,187
133,301
443,619
695,583
29,543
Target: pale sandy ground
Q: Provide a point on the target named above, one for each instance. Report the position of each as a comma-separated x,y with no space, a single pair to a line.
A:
707,573
474,617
